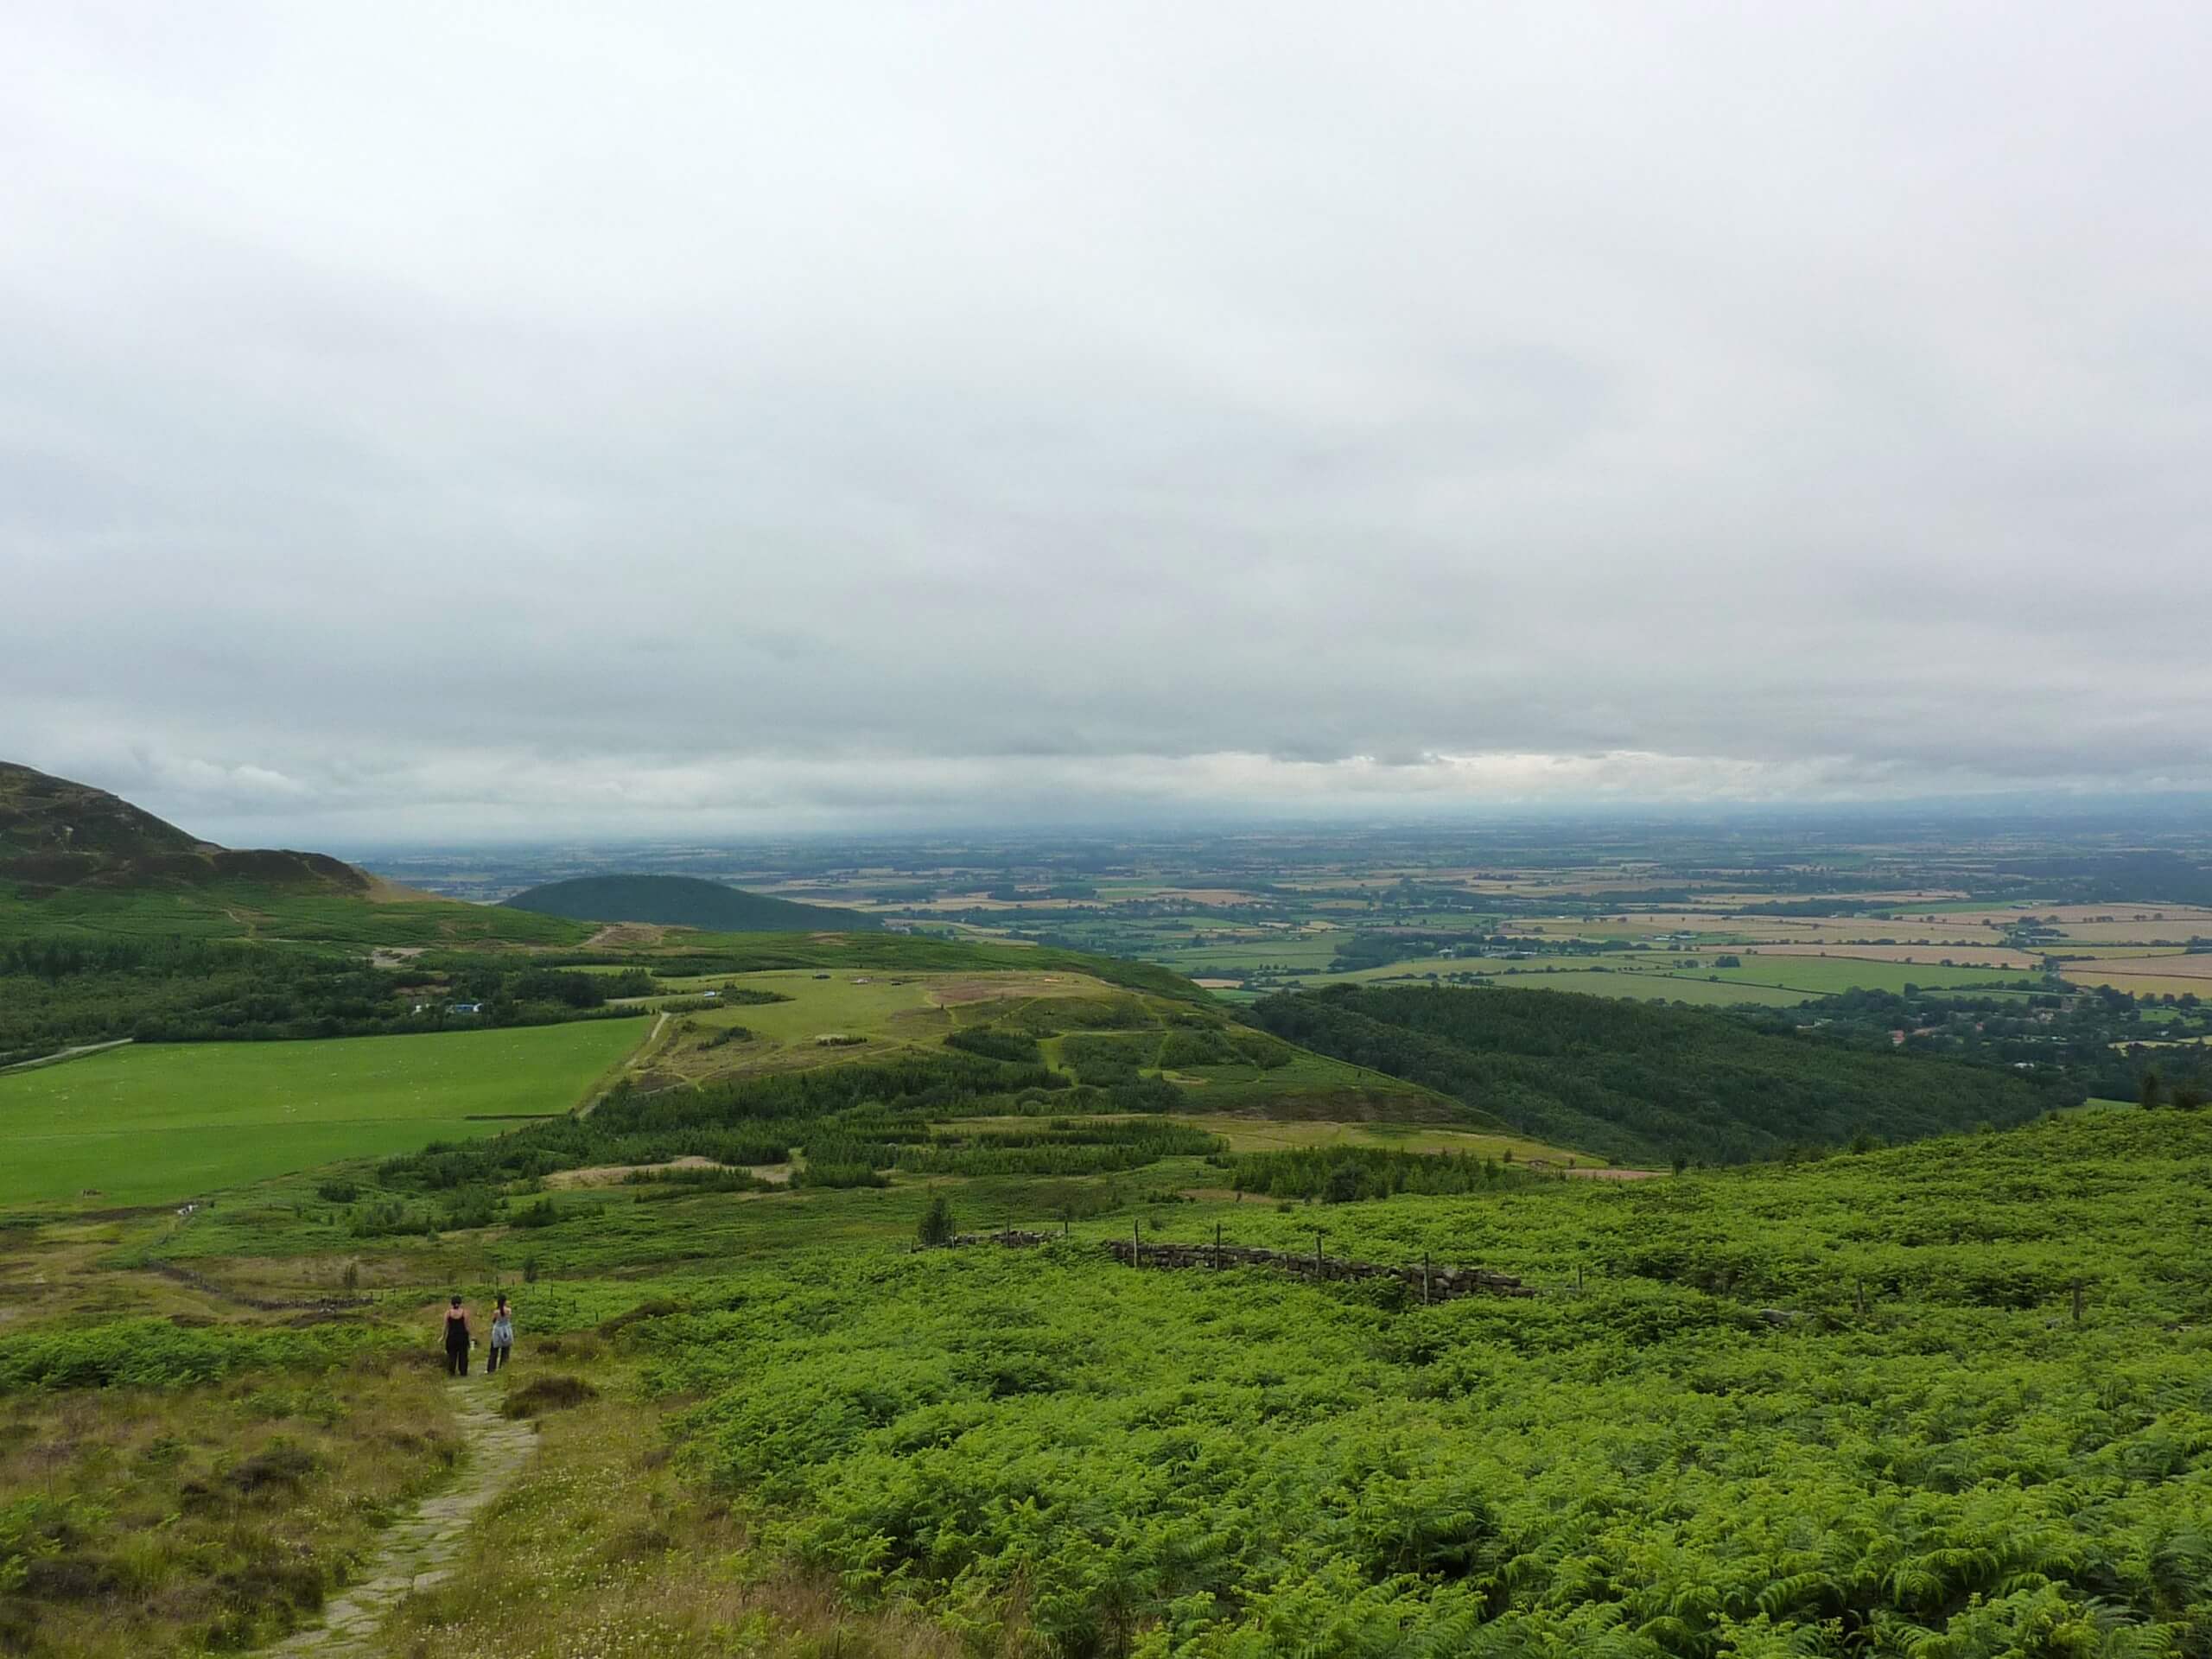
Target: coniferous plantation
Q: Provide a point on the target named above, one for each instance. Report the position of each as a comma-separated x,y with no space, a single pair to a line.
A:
1637,1082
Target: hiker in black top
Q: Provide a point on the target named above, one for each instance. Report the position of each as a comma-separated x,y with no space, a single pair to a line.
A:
456,1339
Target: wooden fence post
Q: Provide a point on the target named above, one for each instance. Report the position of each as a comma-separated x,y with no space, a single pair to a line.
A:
1136,1243
1320,1271
1424,1277
1217,1247
2078,1301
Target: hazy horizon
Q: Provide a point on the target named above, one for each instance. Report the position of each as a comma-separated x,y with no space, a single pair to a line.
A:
426,427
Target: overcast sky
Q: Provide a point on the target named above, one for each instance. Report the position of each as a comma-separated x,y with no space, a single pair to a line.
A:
424,420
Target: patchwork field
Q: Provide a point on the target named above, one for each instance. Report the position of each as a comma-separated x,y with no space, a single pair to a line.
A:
162,1122
1721,926
2134,917
1769,978
1962,955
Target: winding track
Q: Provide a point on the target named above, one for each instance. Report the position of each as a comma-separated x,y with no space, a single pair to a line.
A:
418,1552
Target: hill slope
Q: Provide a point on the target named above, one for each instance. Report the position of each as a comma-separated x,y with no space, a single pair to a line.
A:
1635,1081
684,901
76,863
57,834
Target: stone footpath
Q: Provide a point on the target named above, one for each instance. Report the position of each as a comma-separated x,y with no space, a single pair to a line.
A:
419,1551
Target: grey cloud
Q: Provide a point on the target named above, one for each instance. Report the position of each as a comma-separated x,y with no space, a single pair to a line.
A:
828,414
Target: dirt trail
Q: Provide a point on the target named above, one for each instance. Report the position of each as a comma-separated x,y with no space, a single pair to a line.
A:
419,1551
637,1058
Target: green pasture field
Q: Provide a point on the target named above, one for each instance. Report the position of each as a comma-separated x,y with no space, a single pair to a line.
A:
161,1123
1827,976
1312,950
1412,968
1693,988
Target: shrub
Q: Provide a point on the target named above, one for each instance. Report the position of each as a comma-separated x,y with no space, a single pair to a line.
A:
839,1175
544,1394
937,1225
995,1045
156,1354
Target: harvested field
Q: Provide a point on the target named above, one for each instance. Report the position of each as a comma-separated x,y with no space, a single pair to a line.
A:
1960,956
2131,973
2169,932
2069,915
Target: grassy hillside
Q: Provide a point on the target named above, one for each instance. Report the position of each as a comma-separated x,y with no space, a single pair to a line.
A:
973,1074
684,901
1640,1083
80,864
57,834
1836,1408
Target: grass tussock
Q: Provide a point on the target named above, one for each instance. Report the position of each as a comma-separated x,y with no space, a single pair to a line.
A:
216,1517
543,1394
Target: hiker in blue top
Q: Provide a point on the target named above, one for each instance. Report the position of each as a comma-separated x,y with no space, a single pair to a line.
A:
503,1336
